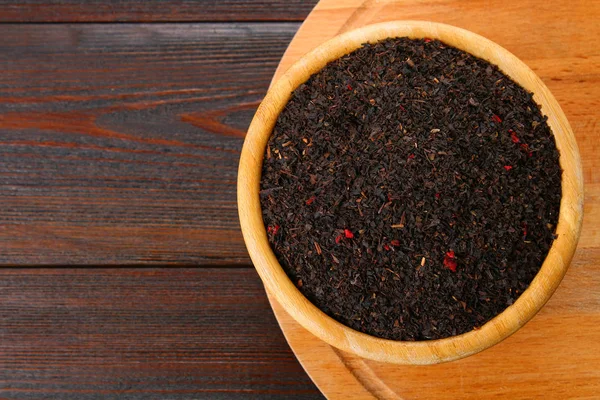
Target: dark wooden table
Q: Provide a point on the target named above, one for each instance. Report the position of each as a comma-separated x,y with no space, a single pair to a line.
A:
124,274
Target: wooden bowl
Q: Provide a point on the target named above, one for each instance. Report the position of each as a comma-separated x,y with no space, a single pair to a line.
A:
326,328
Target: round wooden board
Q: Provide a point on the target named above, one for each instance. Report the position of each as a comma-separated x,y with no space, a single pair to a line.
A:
556,355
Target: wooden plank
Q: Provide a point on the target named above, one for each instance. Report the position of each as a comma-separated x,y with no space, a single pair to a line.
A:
153,10
119,144
142,333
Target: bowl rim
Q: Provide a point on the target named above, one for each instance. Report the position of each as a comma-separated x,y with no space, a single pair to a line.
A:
341,336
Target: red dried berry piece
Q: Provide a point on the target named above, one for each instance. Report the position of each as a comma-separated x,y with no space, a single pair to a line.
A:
273,229
496,119
450,261
310,201
349,87
525,148
508,167
450,264
348,233
395,243
427,40
524,227
513,136
411,156
437,195
402,108
385,246
339,239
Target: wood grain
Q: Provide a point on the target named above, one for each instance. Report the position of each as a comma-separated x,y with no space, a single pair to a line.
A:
142,333
556,355
324,327
119,143
153,10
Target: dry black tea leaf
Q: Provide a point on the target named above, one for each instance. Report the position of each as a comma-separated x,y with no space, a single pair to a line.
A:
411,190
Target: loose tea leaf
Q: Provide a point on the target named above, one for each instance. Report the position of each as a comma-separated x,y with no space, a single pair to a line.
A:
411,190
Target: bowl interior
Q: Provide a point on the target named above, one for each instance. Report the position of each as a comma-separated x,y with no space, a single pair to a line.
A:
341,336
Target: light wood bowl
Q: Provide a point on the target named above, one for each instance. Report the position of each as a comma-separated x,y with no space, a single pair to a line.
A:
326,328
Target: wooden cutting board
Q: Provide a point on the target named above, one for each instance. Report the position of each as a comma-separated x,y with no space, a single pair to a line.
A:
557,354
